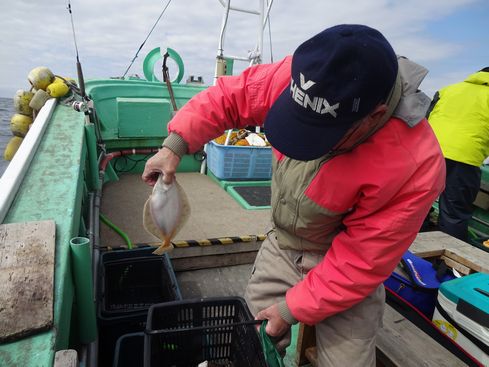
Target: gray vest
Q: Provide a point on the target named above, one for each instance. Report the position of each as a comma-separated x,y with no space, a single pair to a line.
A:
300,223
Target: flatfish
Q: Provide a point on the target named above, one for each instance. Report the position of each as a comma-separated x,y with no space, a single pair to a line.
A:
165,212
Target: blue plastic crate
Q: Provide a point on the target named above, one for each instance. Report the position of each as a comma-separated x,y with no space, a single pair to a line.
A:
239,162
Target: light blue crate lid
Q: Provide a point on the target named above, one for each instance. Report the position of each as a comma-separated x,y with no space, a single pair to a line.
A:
469,288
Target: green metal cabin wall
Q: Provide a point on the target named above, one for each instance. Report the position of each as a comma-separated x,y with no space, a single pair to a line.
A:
52,189
136,117
111,98
135,114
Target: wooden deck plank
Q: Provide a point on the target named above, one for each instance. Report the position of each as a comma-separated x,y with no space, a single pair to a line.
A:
471,257
436,244
399,343
405,345
305,338
428,244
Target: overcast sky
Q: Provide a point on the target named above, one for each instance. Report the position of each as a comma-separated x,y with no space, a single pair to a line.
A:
449,37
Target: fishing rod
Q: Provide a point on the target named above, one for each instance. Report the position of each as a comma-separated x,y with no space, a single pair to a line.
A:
79,70
166,79
86,104
270,32
90,350
149,34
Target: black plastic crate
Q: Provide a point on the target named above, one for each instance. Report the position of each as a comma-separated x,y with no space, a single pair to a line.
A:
133,280
186,333
110,330
129,350
130,281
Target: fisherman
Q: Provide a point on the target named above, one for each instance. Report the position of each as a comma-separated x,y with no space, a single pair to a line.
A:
459,116
356,169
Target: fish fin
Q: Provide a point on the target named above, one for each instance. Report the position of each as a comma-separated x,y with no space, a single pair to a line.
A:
148,223
164,247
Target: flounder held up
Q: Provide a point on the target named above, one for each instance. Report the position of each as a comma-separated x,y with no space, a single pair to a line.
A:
165,212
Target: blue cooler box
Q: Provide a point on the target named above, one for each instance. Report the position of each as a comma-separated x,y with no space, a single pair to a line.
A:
462,312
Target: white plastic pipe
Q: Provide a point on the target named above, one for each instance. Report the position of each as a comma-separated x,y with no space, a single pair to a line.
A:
15,172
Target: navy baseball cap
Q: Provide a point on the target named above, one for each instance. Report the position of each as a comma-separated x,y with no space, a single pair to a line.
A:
338,77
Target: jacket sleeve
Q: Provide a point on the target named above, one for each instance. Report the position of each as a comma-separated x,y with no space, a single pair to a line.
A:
234,102
360,258
382,226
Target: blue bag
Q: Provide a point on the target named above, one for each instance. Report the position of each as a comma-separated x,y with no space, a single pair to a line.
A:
417,280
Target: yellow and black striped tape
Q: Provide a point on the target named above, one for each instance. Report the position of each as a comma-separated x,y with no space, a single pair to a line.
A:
197,243
219,241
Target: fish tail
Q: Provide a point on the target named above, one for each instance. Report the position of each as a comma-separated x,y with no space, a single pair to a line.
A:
166,242
164,247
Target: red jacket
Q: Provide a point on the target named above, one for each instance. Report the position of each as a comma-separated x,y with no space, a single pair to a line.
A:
387,185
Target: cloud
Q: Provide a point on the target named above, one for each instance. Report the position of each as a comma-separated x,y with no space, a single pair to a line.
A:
109,33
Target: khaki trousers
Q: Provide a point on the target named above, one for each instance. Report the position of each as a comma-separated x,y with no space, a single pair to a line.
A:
345,339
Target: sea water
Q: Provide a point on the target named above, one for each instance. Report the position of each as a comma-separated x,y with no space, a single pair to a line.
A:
6,113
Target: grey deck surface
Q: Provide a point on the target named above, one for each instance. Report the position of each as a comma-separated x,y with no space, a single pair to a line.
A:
214,213
217,282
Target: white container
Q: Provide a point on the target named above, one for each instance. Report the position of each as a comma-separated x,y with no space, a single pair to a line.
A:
455,323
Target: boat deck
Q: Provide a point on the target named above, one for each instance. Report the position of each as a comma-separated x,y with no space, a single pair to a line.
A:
214,213
223,270
202,271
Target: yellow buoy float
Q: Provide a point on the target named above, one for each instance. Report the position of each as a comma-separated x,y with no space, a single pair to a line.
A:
21,102
19,124
12,147
44,85
40,77
57,89
39,99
